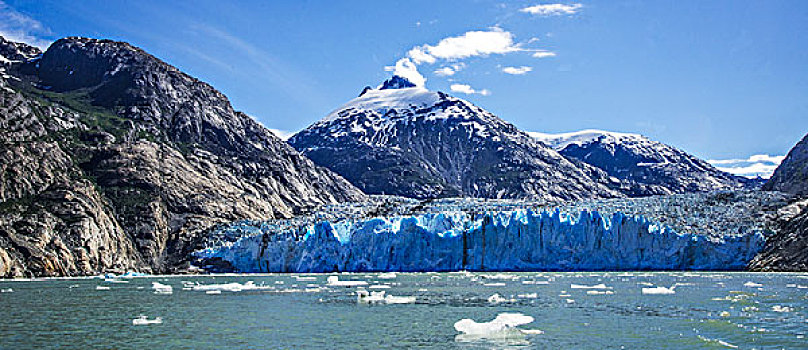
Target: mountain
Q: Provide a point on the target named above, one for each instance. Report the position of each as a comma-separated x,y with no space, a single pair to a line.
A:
113,160
787,250
791,176
643,166
405,140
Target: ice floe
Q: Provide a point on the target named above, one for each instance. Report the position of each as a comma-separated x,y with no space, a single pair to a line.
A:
160,288
363,296
229,287
583,286
503,326
751,284
659,290
334,281
143,320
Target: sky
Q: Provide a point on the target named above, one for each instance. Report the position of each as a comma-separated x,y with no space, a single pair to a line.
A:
726,81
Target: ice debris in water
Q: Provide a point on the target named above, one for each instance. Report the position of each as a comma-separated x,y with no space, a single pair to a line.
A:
229,287
160,288
751,284
497,299
362,296
143,320
101,288
599,292
778,308
7,290
213,292
335,282
659,290
387,275
503,326
582,286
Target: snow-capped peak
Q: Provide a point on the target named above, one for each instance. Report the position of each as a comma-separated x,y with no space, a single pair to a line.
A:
583,137
392,94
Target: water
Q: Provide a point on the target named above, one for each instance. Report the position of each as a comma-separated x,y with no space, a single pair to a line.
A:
708,310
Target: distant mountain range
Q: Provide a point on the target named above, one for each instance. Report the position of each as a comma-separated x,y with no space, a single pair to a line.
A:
405,140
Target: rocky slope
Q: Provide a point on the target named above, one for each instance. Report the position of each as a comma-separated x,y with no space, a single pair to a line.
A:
791,176
788,249
112,160
644,167
405,140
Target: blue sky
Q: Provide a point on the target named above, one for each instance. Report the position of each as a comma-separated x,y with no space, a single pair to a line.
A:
719,79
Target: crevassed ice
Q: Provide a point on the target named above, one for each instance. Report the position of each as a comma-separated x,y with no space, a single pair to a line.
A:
519,240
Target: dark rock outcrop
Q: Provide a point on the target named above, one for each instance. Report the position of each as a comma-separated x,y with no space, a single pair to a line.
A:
791,176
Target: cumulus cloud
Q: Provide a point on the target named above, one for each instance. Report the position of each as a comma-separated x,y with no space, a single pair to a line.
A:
467,89
470,44
517,70
552,9
450,70
16,26
762,165
543,54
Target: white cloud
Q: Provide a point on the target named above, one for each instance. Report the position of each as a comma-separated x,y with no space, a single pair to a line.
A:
762,165
445,71
469,44
543,54
467,89
406,69
18,27
517,70
552,9
282,134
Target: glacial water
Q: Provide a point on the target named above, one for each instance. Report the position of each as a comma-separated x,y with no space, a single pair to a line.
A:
284,311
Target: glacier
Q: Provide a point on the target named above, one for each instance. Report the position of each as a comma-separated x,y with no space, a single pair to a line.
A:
518,240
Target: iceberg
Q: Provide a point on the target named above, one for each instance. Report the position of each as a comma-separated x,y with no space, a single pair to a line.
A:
160,288
518,240
503,326
143,320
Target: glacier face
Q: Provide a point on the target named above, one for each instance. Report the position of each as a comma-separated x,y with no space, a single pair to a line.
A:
520,240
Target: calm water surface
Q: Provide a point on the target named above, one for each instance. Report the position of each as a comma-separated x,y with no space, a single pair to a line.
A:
708,310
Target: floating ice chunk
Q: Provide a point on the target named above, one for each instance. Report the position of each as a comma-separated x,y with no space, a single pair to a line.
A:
335,282
114,280
532,331
724,314
778,308
387,275
392,299
379,286
717,341
570,301
497,299
503,325
529,295
7,290
659,290
73,286
583,286
363,296
498,284
143,320
213,292
229,287
101,288
751,284
160,288
305,278
750,309
536,282
599,292
646,284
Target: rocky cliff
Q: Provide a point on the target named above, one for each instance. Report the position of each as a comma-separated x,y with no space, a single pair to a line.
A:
112,160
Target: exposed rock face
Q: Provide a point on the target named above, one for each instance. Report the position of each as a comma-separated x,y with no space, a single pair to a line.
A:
409,141
112,160
787,250
643,167
792,174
